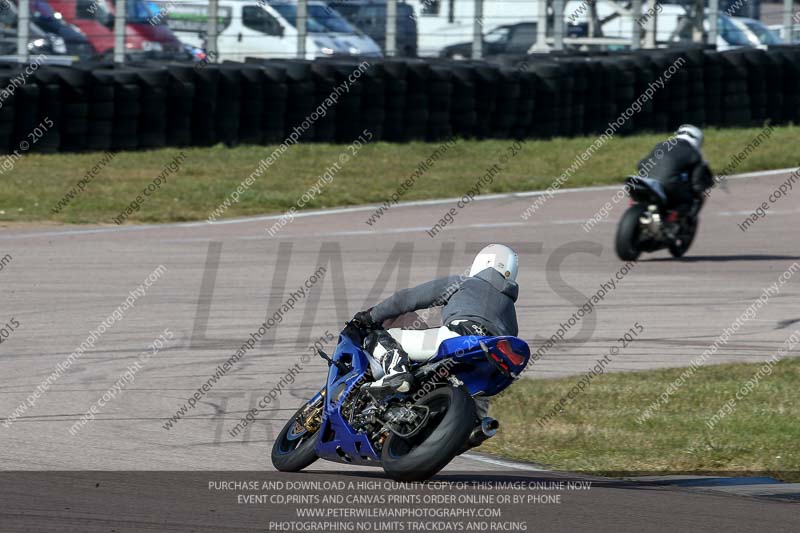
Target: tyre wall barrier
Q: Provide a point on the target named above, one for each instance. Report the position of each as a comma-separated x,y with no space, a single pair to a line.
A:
148,104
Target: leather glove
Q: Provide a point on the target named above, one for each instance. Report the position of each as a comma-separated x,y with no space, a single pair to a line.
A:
363,319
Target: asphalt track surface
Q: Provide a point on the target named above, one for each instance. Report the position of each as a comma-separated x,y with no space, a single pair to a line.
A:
220,283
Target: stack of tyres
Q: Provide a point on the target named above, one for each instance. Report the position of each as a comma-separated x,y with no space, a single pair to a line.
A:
525,105
26,117
204,107
153,82
601,107
7,113
417,111
735,93
755,62
791,83
487,78
324,75
606,88
440,94
101,110
49,109
674,95
549,94
643,71
678,88
251,111
774,78
180,100
349,123
662,107
578,70
625,93
127,109
712,88
148,105
695,67
373,100
229,104
591,108
301,101
565,109
276,93
506,104
463,114
74,123
395,98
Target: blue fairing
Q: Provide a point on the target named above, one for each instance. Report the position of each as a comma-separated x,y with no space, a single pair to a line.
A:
339,442
478,374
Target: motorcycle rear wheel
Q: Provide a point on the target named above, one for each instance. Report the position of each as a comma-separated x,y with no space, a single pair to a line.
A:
417,458
628,233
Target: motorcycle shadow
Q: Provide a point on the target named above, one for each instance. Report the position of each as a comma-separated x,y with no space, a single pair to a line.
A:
722,258
489,478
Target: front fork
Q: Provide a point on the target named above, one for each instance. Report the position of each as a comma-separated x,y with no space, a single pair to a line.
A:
311,417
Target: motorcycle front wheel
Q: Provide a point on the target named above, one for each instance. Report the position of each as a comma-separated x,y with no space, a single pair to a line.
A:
681,245
295,447
448,426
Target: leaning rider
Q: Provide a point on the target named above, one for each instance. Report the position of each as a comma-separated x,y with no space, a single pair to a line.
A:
479,304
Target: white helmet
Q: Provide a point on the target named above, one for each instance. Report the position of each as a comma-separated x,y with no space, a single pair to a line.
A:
499,257
691,134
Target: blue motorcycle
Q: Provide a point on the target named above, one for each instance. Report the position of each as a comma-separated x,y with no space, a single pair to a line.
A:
410,435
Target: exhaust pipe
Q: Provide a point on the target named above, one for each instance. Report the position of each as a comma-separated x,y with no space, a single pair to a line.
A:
489,426
487,429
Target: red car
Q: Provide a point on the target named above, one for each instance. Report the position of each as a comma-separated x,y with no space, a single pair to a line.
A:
145,30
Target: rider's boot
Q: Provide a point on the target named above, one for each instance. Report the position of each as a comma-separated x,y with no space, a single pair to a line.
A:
394,360
397,375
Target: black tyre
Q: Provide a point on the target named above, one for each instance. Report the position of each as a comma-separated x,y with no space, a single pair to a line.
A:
417,458
684,241
294,449
628,233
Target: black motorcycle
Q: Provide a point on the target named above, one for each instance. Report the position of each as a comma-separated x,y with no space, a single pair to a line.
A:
650,225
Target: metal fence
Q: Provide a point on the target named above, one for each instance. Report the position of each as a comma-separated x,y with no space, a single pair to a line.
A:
219,30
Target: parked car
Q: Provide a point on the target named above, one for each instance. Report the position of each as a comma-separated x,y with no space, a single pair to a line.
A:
148,29
441,24
794,32
258,29
95,18
46,19
48,35
39,42
369,16
738,32
508,39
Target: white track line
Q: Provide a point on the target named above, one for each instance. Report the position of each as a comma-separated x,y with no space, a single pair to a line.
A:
354,209
500,462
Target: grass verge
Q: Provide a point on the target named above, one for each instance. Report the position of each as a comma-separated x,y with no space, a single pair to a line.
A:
598,431
36,183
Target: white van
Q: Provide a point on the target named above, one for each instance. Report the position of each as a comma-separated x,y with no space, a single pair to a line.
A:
249,28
